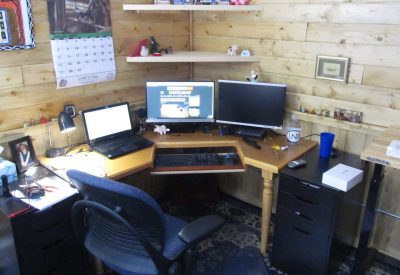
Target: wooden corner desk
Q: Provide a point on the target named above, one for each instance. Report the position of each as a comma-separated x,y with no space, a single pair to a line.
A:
265,159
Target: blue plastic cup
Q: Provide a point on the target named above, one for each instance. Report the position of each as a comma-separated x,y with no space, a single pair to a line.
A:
326,143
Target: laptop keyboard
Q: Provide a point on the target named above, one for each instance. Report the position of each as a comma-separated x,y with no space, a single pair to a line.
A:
122,146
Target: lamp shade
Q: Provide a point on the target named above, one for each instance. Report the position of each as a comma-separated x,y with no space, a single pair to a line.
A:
65,122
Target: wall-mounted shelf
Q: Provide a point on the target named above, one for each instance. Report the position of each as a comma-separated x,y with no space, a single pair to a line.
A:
150,7
193,56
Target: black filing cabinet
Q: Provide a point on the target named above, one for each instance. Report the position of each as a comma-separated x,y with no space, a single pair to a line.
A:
39,242
310,215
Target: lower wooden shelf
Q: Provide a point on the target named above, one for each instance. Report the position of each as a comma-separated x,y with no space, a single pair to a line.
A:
193,56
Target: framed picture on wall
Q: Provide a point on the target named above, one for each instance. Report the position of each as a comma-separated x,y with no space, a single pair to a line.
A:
16,27
332,68
23,153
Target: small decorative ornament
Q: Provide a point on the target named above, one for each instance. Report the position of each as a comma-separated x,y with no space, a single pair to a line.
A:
245,52
253,76
161,129
144,51
239,2
232,50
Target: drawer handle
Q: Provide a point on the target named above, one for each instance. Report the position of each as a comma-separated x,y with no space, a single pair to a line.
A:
301,231
304,200
298,213
309,184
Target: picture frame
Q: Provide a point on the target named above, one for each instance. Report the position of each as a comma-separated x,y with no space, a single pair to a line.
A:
23,153
332,68
16,26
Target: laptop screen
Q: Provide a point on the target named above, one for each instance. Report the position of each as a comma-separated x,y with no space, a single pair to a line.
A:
107,121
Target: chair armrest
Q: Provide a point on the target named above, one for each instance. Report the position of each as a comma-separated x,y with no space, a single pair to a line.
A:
200,228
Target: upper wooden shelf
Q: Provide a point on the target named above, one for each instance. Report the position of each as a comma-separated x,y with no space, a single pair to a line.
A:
150,7
193,56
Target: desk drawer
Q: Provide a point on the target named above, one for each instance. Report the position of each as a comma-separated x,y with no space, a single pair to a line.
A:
309,193
304,210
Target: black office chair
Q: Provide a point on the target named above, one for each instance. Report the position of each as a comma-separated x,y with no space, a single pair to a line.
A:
126,228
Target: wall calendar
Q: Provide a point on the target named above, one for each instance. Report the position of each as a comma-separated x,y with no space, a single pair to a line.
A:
81,42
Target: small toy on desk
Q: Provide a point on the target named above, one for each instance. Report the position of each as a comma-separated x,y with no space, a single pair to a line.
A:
161,129
279,148
253,76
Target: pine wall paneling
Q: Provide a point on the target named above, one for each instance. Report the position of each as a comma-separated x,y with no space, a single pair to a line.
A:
288,35
27,78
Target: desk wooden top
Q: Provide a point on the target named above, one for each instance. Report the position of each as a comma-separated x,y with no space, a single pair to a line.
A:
265,158
376,151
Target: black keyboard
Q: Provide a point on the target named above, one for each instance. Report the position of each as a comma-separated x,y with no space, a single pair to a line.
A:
200,159
250,132
118,143
122,145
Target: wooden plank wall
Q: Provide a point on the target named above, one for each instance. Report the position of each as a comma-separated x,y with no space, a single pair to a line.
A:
288,35
27,78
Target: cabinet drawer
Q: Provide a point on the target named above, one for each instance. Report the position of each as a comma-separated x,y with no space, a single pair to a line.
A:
307,192
310,230
299,250
301,209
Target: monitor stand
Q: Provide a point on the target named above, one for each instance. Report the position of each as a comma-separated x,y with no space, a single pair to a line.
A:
256,133
181,128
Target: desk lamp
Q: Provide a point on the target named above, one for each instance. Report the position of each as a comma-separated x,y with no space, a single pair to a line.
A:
66,124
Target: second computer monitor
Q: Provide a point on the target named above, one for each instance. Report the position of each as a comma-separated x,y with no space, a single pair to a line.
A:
171,102
251,104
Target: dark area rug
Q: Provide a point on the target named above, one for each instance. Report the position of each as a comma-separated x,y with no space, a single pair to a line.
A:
234,248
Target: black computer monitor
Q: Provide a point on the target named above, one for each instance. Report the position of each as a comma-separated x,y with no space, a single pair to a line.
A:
179,102
251,104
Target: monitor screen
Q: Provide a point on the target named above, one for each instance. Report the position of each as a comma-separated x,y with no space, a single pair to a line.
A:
180,101
251,104
107,121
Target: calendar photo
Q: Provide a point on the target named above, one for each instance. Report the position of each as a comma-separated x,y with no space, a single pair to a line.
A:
81,42
77,17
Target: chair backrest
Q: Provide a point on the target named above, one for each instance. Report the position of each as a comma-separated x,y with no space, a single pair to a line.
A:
121,219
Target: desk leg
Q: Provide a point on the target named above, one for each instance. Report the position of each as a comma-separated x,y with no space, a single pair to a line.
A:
266,209
365,255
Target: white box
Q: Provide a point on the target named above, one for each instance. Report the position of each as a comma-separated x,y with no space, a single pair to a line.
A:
393,149
342,177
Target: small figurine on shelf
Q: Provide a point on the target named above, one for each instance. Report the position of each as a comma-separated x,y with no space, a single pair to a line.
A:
168,50
144,51
245,53
240,2
232,50
253,76
154,47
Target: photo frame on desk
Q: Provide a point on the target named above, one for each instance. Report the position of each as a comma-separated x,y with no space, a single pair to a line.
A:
23,153
332,68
